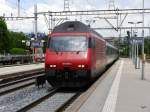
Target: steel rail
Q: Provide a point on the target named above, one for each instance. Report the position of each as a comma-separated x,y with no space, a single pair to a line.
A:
19,81
34,103
68,102
16,88
21,74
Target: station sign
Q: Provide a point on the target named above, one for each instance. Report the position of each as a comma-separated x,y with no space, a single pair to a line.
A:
39,35
37,44
137,40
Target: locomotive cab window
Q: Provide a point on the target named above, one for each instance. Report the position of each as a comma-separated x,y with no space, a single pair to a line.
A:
68,43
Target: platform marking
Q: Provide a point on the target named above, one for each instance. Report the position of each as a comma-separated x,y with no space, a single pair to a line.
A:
110,103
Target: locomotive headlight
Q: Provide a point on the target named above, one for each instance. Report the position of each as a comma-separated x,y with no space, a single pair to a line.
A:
81,66
52,66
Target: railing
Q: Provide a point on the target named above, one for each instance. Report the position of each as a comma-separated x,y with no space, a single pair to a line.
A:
20,58
7,58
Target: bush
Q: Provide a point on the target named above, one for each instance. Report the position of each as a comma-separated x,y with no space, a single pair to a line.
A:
18,51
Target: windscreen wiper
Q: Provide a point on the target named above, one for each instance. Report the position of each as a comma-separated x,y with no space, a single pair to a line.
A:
78,52
56,51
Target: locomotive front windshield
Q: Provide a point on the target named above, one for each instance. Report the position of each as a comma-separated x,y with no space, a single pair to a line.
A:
68,43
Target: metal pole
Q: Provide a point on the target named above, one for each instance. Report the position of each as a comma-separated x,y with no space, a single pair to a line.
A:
138,57
18,8
131,46
149,31
135,54
132,52
51,23
35,14
136,49
143,63
49,17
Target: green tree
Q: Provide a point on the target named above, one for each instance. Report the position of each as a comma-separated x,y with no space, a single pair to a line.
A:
17,51
17,47
4,37
16,40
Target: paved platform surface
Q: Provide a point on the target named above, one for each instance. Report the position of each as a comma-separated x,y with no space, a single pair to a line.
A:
122,90
22,68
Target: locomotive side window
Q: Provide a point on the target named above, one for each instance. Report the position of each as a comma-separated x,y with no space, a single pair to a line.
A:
48,42
68,43
92,43
109,50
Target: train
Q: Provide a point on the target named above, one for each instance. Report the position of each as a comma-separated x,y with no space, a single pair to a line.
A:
10,59
76,55
14,59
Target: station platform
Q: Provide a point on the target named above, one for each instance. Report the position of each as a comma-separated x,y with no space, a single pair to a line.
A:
22,68
120,89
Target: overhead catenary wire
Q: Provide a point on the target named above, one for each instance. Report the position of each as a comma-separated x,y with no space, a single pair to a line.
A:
15,5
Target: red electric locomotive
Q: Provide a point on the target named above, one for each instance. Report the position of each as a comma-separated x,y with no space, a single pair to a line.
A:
76,55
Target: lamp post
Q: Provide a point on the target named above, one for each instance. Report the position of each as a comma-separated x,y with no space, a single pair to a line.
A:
135,47
32,39
143,63
18,8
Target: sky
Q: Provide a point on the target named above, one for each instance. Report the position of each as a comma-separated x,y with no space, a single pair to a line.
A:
27,9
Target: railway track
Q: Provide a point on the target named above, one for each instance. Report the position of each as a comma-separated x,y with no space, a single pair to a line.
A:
8,85
45,101
39,100
53,96
2,85
19,99
34,103
67,103
11,88
61,99
55,101
19,76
